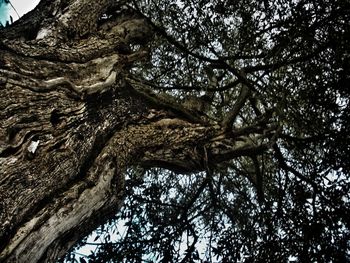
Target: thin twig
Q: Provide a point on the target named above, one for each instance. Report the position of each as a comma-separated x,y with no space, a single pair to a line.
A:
227,123
14,9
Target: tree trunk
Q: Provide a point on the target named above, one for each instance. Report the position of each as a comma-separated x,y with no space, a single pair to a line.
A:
71,123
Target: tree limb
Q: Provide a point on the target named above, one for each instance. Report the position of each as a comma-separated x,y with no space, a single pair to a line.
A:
230,118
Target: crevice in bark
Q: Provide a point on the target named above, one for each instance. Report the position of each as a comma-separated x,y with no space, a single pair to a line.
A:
99,142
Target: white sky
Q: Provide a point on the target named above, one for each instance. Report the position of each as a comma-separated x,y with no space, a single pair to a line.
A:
22,7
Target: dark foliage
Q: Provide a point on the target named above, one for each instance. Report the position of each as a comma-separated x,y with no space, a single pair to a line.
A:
292,202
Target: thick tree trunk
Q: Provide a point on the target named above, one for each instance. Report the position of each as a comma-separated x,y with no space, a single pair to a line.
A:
71,123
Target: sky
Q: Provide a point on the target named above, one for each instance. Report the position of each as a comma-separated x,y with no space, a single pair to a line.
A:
22,7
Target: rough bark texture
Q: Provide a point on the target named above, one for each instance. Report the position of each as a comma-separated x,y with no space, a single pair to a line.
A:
71,123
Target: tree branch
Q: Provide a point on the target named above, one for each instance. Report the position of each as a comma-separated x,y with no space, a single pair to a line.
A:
223,64
162,101
259,180
228,121
286,167
279,64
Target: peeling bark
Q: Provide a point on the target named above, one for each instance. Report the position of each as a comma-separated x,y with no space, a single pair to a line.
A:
71,124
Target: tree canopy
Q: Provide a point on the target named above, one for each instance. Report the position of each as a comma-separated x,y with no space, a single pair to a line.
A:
288,63
274,77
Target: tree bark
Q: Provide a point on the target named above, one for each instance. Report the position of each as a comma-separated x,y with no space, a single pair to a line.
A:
71,123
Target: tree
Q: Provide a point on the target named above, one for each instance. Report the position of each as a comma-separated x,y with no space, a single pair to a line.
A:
251,95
